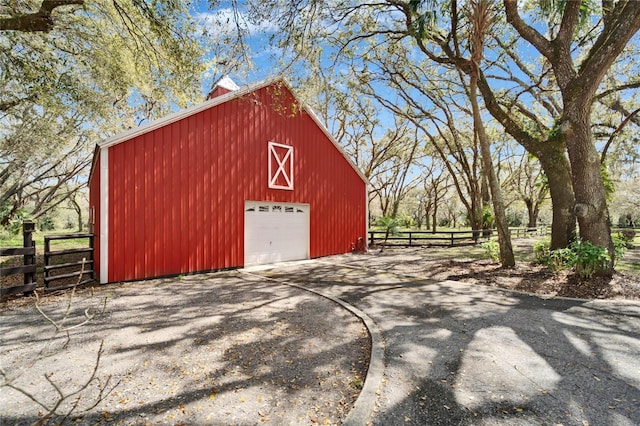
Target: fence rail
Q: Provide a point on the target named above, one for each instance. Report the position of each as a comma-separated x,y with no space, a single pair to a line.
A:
625,228
28,268
77,269
445,238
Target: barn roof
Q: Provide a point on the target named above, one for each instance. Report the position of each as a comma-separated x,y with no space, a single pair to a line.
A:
179,115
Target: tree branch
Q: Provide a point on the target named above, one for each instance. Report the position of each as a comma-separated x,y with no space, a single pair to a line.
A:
519,134
527,32
613,39
631,85
570,18
615,133
40,21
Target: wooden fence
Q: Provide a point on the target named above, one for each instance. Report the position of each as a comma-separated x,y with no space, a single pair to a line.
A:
445,238
62,268
28,268
72,271
620,229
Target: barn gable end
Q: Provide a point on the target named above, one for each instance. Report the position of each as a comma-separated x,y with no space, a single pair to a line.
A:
176,196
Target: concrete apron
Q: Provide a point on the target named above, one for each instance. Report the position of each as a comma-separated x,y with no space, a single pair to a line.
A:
462,354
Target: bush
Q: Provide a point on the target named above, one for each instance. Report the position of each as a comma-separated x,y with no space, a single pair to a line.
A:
47,224
561,259
541,250
492,249
406,221
388,224
514,218
488,221
444,223
581,256
627,236
620,245
15,225
589,258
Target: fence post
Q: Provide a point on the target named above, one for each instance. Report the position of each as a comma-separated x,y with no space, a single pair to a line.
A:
47,249
93,266
28,227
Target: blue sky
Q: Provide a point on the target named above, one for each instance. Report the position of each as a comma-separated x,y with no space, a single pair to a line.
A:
221,22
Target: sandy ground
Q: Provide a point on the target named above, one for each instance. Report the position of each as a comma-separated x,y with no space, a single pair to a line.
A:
219,349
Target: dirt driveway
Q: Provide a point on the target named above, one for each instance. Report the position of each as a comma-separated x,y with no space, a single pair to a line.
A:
214,349
243,348
462,354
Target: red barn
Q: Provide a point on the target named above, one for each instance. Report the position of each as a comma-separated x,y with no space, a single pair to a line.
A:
250,176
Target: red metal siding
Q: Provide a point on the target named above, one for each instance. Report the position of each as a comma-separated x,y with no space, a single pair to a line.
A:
218,91
177,193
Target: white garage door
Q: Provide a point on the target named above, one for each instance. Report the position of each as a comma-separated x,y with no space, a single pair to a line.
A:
275,232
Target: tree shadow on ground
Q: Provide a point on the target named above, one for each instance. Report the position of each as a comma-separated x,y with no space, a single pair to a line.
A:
211,349
459,354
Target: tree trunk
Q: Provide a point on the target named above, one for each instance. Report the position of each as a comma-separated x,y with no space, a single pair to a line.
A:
475,215
533,210
507,259
8,217
78,210
578,84
427,216
590,195
484,189
434,219
481,20
553,159
394,208
556,166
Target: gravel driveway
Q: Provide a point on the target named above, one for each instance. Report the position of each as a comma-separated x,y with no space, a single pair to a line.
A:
219,349
244,348
463,354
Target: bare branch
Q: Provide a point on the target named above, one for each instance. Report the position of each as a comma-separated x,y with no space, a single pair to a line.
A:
615,133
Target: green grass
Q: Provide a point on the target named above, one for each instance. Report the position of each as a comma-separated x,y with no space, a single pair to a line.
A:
630,262
10,240
403,230
629,268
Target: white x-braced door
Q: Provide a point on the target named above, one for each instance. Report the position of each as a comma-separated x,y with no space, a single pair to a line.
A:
275,232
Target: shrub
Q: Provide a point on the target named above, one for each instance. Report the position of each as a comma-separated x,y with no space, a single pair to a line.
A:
583,257
514,218
488,221
561,259
15,224
620,246
388,223
589,258
406,221
492,249
627,236
541,250
47,224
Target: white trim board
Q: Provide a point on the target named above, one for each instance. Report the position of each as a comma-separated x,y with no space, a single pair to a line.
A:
284,165
104,215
